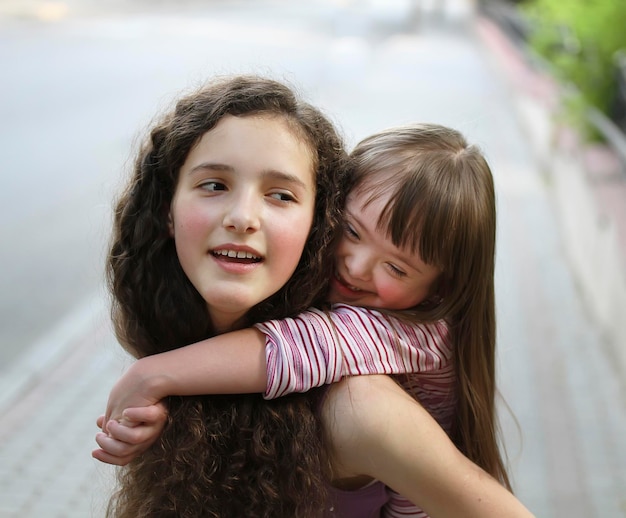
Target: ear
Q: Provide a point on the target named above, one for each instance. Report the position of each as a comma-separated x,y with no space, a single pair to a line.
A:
436,294
439,289
170,222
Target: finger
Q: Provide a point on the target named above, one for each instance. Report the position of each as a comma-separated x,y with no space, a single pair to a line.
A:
123,433
107,458
100,421
146,414
117,448
105,422
135,435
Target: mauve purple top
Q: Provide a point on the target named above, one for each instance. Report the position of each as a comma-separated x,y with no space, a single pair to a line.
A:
365,502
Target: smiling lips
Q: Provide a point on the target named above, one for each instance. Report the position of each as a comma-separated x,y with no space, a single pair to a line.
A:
343,283
237,256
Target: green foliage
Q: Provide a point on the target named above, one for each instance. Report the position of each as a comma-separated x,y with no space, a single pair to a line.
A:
580,38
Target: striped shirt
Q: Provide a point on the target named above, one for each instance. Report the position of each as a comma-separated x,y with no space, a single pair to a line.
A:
316,348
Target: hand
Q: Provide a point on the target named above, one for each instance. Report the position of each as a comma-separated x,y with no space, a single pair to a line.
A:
137,430
135,388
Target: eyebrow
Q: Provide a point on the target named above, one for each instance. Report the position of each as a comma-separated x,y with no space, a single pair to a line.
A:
267,173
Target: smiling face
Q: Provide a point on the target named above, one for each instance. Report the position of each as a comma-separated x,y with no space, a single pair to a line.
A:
241,213
371,271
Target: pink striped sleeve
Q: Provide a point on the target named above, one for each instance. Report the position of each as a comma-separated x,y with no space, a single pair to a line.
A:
316,348
378,343
301,353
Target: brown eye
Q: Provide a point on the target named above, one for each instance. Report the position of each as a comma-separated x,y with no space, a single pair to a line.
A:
213,186
283,196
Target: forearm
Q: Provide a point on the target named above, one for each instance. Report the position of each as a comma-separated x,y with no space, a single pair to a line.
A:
415,457
376,429
232,363
450,485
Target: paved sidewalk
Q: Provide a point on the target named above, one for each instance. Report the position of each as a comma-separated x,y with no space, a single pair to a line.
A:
587,185
561,303
48,431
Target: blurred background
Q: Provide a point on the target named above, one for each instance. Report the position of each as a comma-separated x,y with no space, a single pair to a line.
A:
539,85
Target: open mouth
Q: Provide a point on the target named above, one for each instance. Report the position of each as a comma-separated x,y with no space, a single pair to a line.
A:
236,256
342,281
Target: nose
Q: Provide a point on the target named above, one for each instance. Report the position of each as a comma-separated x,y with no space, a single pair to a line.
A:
358,264
242,215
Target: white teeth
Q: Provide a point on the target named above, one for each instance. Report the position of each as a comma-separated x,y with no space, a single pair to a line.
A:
236,254
353,288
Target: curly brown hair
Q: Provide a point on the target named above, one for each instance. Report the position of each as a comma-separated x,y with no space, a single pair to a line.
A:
219,456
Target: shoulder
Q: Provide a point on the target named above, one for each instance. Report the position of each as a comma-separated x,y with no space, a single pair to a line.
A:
358,407
360,415
397,322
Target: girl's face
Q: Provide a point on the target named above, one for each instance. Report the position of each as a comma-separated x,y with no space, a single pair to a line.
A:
371,271
241,213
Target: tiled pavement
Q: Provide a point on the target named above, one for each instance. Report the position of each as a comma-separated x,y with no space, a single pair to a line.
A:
47,434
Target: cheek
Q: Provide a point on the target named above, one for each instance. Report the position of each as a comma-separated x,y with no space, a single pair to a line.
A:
190,221
389,293
342,245
344,249
188,225
291,238
292,247
400,296
190,229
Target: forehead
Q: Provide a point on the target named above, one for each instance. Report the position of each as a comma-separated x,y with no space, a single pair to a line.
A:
269,127
367,210
373,193
264,141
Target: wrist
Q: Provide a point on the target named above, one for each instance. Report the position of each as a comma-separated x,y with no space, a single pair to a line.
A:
151,379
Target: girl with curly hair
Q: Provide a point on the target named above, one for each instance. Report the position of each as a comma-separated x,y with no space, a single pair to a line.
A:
228,219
